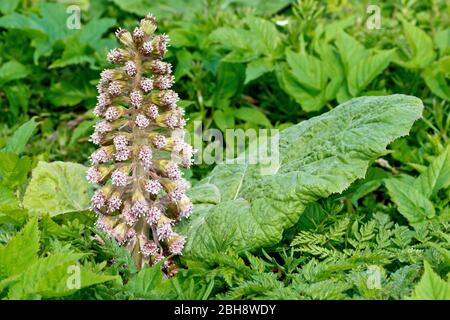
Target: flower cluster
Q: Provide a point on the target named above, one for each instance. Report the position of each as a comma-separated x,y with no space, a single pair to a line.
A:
140,190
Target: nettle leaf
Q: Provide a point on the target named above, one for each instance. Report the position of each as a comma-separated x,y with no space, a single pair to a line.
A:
431,286
240,41
260,38
147,283
350,50
66,93
21,251
18,96
361,65
252,115
56,188
308,70
162,10
436,176
318,157
10,210
12,70
436,79
412,204
266,8
365,71
51,277
13,169
20,137
257,68
333,68
310,100
265,34
226,89
420,53
48,28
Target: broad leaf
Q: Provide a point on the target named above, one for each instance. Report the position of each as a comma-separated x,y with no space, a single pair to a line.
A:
57,188
318,157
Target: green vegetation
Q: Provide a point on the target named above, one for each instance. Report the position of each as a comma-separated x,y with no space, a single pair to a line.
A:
358,207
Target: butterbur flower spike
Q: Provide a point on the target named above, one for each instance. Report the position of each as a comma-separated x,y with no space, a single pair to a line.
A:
140,190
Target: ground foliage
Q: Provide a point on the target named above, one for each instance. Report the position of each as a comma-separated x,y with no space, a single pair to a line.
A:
358,209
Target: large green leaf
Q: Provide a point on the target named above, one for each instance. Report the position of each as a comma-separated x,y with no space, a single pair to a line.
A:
318,157
57,188
431,287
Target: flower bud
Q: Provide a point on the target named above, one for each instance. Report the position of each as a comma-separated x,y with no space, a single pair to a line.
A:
176,243
125,37
114,113
148,24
